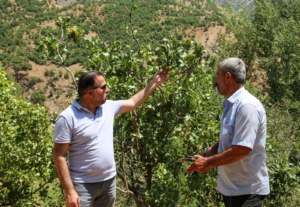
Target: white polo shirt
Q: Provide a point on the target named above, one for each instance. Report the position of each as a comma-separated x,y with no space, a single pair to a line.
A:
91,151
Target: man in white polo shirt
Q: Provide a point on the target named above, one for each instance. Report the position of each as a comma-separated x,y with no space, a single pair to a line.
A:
85,131
240,152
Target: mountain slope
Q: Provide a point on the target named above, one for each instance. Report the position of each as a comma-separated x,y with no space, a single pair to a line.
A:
154,20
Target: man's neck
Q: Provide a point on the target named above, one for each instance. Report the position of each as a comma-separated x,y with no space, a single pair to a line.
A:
89,106
233,89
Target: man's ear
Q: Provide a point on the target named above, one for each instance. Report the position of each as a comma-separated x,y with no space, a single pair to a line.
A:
89,92
228,77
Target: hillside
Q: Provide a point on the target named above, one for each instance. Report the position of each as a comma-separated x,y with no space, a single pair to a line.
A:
236,2
179,119
42,80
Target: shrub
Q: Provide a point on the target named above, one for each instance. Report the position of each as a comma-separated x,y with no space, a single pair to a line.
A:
34,80
26,166
66,75
38,97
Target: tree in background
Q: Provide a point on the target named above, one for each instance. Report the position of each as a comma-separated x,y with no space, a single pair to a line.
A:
26,173
267,38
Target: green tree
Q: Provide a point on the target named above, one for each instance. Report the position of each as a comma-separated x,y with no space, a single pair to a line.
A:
181,118
267,37
26,145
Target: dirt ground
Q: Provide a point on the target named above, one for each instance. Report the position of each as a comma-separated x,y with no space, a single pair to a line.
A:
62,3
209,37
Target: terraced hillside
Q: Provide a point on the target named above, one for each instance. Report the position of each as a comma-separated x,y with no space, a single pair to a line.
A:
153,20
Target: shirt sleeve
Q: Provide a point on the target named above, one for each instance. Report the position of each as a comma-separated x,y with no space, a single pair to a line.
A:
246,126
62,131
116,106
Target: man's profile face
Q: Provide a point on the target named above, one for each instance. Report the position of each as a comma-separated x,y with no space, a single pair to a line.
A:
100,90
220,81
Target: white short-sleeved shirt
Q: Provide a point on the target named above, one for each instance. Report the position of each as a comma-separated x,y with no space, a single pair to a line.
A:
91,152
243,123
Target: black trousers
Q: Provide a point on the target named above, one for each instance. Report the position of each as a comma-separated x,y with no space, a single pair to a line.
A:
244,201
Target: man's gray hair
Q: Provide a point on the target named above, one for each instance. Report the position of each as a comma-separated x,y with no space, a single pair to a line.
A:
236,67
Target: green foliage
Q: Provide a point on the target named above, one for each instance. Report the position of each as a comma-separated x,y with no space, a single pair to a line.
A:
282,159
181,117
282,145
167,126
18,92
26,150
13,29
50,73
34,80
157,19
38,97
18,63
267,38
60,73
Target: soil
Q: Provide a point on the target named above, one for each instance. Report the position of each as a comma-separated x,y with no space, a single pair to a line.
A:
62,3
206,37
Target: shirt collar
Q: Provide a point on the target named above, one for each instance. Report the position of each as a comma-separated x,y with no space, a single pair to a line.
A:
236,94
76,104
79,107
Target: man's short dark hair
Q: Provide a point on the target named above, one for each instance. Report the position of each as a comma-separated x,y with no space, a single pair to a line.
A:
87,81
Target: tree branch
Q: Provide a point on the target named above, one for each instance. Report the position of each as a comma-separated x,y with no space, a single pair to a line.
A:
187,70
130,11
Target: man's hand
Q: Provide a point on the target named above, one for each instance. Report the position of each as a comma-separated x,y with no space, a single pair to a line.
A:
209,159
200,165
72,199
140,97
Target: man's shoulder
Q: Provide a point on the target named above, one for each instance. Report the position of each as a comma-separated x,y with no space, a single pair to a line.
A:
250,100
247,97
112,103
70,111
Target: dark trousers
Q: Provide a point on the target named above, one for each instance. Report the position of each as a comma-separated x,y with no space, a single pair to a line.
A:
244,201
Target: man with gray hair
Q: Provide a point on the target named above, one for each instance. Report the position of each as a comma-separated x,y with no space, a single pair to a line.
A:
85,131
240,152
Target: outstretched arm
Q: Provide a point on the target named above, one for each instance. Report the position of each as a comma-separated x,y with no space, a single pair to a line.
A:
140,97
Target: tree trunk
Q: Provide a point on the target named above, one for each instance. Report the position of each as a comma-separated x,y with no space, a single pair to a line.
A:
149,176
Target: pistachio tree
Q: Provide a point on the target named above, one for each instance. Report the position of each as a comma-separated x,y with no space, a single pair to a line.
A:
181,117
